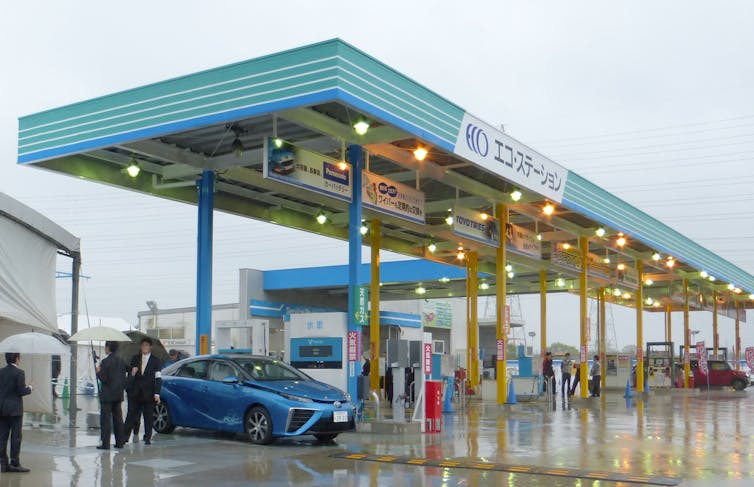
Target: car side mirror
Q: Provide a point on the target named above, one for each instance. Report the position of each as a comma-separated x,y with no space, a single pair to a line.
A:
230,380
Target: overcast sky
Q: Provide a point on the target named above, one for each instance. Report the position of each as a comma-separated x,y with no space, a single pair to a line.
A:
651,100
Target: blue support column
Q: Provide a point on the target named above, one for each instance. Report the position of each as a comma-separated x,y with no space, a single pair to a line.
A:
355,157
206,205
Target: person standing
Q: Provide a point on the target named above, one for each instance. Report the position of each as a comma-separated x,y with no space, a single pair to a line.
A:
549,373
576,378
112,373
565,375
12,389
145,390
596,374
367,367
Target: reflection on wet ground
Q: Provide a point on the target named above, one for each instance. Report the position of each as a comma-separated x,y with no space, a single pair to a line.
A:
700,439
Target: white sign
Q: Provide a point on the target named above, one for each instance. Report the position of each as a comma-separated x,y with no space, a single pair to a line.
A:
387,196
475,225
306,169
522,241
503,155
701,353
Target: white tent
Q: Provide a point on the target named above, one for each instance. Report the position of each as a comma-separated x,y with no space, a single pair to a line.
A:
29,243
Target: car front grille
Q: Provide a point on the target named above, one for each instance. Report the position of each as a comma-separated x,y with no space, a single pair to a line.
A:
298,418
326,425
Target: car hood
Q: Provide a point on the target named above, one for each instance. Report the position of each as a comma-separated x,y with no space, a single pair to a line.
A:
312,389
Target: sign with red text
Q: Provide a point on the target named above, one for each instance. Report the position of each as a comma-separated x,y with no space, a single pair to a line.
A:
749,354
583,354
353,346
427,358
701,352
500,350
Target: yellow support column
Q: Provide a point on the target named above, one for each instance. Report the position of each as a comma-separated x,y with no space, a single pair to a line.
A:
374,315
472,330
640,328
501,292
715,335
603,336
542,312
738,339
686,335
669,323
584,357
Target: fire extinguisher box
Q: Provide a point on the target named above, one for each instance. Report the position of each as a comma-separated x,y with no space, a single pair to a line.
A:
433,390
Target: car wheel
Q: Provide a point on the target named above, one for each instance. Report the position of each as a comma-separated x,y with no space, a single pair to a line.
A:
739,385
325,437
258,426
162,423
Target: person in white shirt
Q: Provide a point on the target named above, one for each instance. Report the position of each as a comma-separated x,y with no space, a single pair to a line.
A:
144,390
596,374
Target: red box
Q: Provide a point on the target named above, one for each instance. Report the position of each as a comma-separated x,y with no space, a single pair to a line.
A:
433,395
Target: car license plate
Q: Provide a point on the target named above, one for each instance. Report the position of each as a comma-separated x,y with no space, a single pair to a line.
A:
340,416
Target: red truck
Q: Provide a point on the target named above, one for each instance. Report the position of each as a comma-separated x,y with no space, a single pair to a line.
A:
720,374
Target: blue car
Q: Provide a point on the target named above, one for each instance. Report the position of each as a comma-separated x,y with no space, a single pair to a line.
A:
260,397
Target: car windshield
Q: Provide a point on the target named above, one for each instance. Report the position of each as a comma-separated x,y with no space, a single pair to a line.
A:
269,370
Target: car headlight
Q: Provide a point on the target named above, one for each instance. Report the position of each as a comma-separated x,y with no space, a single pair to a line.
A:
348,397
291,397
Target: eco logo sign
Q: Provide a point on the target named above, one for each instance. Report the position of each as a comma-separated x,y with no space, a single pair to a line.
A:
477,140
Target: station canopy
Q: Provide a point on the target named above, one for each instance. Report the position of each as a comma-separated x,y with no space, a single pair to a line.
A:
294,114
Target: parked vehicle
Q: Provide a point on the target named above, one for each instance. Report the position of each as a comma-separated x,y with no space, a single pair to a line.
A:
720,374
258,396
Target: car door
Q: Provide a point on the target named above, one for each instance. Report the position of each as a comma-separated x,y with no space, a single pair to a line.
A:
187,384
219,402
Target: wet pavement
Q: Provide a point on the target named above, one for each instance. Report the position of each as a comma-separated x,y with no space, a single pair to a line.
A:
685,439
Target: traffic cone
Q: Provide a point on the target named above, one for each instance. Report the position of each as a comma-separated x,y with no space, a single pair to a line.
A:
628,393
66,393
511,393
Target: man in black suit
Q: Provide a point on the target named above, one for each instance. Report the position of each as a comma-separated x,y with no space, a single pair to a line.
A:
112,374
12,388
144,392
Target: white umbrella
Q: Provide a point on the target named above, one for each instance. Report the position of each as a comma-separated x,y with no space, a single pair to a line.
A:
34,343
99,334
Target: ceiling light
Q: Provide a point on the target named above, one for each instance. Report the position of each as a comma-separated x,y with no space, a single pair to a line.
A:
420,153
560,282
649,301
621,266
484,216
704,274
444,280
737,290
508,267
626,296
364,229
656,257
461,254
649,282
670,262
548,209
621,241
516,195
616,292
237,147
539,237
656,304
421,291
566,246
511,275
342,165
133,169
731,287
321,218
432,247
484,286
600,232
361,127
278,142
751,296
606,260
712,278
449,219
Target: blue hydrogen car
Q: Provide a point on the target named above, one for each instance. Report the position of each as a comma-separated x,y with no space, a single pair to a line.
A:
260,397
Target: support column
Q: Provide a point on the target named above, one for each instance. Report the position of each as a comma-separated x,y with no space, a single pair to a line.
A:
603,337
583,352
472,328
75,280
715,334
738,338
686,335
374,314
669,323
542,313
640,328
501,291
355,158
204,263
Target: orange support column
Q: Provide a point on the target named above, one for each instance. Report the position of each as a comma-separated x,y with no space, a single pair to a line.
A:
640,328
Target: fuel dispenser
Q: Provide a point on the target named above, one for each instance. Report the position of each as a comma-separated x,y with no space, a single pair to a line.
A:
243,336
404,360
659,365
318,348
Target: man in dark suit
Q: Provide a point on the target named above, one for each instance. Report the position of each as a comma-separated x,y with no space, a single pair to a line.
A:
12,388
112,374
144,392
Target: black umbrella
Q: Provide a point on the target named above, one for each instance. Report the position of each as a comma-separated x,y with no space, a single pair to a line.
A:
127,350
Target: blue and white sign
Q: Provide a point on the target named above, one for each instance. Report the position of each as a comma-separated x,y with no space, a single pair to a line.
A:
293,165
503,155
388,196
475,225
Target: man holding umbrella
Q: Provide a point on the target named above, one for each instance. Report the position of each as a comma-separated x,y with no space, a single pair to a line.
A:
112,374
144,392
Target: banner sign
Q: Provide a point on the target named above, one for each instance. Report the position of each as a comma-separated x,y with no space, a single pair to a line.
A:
749,354
569,258
598,269
353,346
504,156
360,305
307,169
628,277
701,353
387,196
522,241
583,354
437,314
500,349
475,225
427,358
